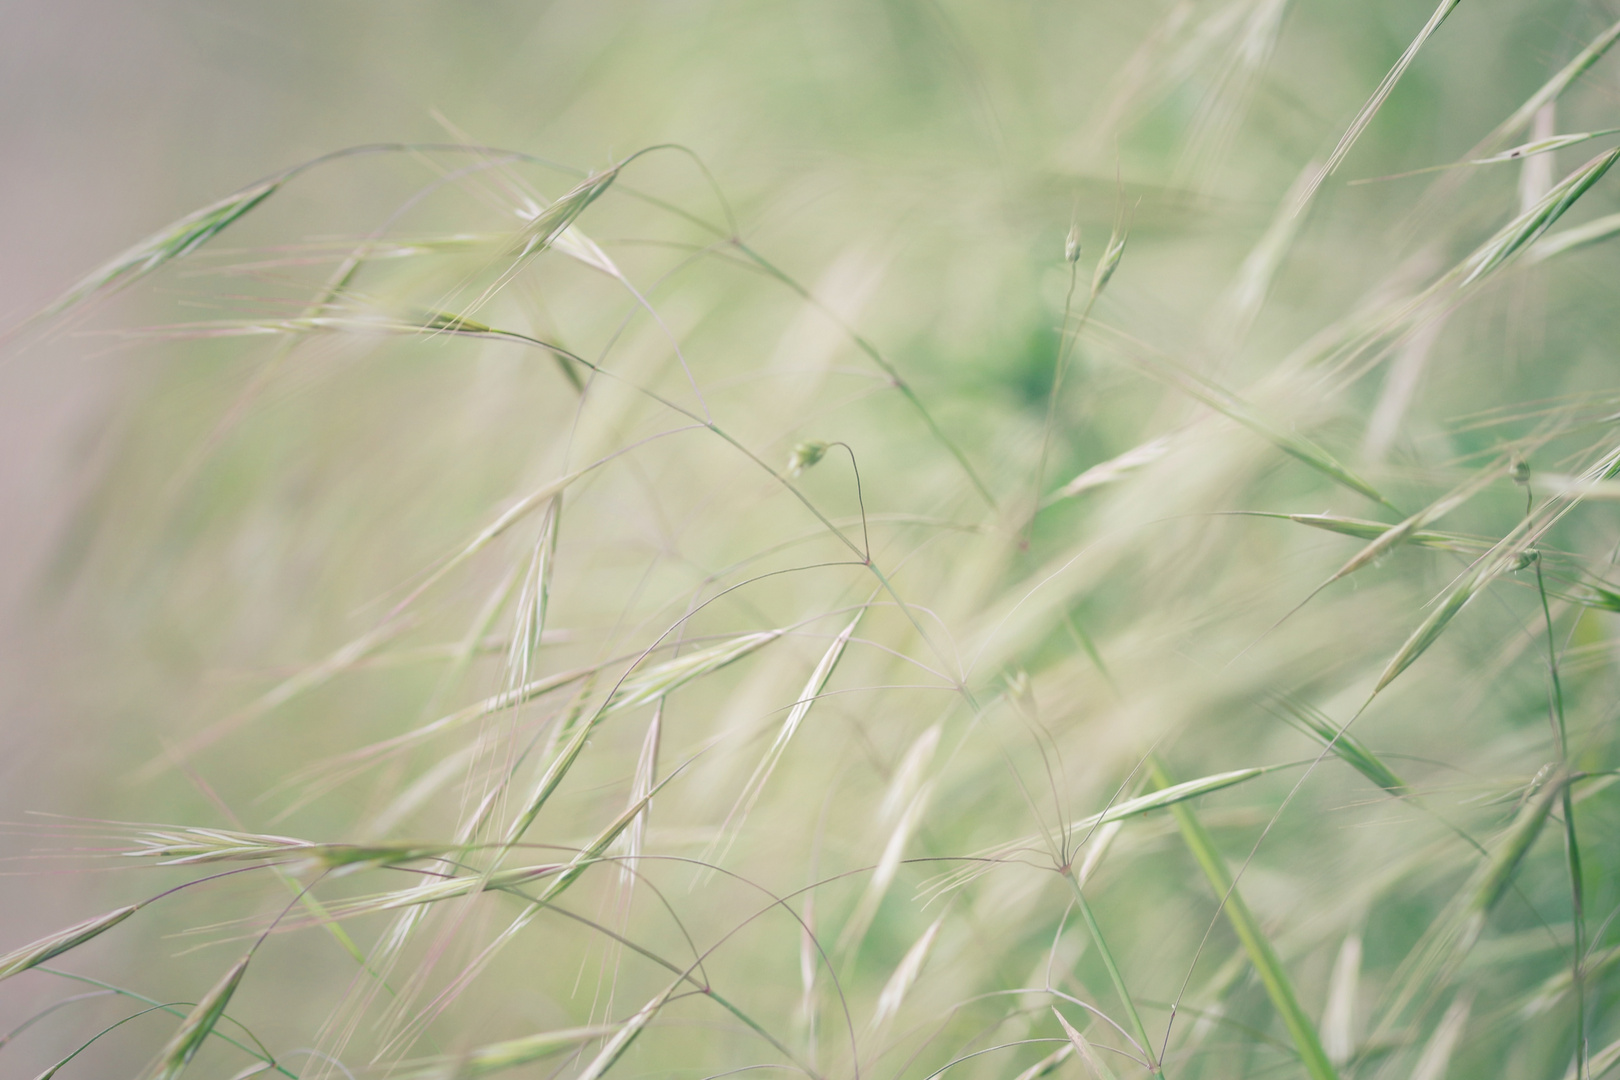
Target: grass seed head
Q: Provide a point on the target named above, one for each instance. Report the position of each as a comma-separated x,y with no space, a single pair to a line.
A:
179,239
32,955
198,1025
805,455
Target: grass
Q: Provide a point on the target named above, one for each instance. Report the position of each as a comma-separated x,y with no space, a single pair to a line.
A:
583,623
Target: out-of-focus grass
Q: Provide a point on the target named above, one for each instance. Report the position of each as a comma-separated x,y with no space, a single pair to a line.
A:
774,602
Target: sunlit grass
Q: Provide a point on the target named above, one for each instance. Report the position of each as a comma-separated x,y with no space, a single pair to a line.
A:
563,630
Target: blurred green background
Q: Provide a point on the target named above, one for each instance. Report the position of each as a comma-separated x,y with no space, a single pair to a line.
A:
917,165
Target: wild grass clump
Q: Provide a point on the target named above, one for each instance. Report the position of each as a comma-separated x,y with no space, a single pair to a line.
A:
565,636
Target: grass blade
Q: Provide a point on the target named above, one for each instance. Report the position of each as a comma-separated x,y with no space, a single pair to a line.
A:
1376,101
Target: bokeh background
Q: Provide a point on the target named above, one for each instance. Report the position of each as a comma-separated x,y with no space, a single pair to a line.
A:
917,164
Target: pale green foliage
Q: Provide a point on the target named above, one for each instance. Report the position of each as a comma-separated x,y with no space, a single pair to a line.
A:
688,617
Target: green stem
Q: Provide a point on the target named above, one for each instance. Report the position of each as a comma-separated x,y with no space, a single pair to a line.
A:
1118,979
216,1033
1261,954
1572,850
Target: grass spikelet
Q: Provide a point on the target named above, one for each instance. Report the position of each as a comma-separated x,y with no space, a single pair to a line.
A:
547,225
1109,262
1082,1048
1116,467
1543,146
647,686
1048,1064
187,846
1454,934
905,975
1558,985
508,1054
52,945
1531,224
1429,631
1496,875
1346,747
1339,1013
534,598
1096,850
1573,239
1279,987
1408,530
1071,243
196,1027
1436,1056
624,1036
1166,796
817,682
177,240
1234,408
1599,1064
593,851
1363,529
805,455
877,886
435,891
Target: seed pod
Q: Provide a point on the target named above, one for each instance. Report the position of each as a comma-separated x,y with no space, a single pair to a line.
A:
804,456
1071,245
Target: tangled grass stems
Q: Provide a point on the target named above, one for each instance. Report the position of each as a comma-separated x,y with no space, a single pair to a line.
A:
820,832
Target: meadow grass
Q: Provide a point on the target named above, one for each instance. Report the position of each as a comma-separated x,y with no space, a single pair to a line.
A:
567,638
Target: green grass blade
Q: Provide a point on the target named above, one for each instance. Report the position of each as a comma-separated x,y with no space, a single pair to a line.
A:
1376,101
